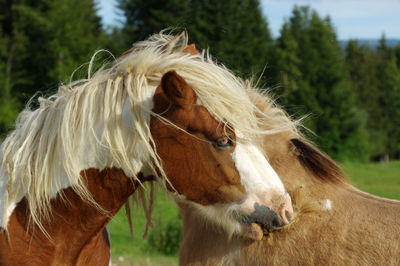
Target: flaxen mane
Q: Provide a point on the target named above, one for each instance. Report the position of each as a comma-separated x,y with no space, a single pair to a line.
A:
103,121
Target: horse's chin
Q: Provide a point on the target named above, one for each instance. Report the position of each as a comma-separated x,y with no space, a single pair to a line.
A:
252,231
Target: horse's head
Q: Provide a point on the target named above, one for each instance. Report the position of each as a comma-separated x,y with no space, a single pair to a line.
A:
229,181
105,121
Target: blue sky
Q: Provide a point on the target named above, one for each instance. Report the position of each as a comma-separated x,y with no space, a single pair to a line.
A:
351,18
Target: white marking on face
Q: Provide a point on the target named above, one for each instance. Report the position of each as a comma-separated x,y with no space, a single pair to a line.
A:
256,174
326,205
262,184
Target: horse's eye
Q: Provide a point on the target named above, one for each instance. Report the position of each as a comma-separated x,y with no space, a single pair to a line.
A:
223,142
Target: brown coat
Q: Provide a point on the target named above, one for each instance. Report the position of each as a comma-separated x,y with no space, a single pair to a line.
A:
77,229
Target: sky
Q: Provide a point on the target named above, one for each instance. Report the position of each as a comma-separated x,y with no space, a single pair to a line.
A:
352,19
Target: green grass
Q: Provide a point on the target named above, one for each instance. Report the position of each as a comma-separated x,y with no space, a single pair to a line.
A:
382,179
144,260
124,252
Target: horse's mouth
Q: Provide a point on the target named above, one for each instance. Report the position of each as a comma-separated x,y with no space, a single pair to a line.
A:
255,227
262,220
253,231
256,231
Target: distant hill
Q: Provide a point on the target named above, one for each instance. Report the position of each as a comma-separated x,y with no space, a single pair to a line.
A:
374,43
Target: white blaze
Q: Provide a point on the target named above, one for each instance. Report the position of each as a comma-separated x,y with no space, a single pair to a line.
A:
256,174
262,184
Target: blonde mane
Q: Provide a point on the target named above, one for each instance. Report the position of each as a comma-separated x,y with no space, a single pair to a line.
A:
85,125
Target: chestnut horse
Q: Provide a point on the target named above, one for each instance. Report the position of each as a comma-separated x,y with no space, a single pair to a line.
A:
159,112
334,223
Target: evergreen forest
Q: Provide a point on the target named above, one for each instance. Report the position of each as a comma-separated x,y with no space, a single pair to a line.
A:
349,96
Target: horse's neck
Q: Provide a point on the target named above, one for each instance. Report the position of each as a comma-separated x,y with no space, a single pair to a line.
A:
334,198
335,219
354,228
336,222
337,205
76,228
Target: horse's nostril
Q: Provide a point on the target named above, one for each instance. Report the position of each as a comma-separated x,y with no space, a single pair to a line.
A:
288,216
286,211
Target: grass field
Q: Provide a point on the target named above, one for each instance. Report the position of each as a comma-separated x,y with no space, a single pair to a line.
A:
124,252
382,179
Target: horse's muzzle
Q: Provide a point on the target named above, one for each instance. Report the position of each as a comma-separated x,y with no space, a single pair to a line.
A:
263,216
263,219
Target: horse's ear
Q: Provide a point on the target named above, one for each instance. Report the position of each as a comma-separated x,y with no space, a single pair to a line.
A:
177,90
191,49
178,43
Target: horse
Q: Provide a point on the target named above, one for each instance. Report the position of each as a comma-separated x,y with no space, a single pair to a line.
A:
334,223
159,112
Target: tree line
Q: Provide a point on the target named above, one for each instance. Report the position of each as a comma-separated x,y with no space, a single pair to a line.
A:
351,96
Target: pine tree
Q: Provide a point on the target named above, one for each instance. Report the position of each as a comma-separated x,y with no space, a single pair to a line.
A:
41,43
26,33
47,40
235,32
76,32
146,17
362,66
388,75
23,38
317,80
8,104
285,67
397,52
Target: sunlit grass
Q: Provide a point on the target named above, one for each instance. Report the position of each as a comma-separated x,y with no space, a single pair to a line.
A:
124,252
382,179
